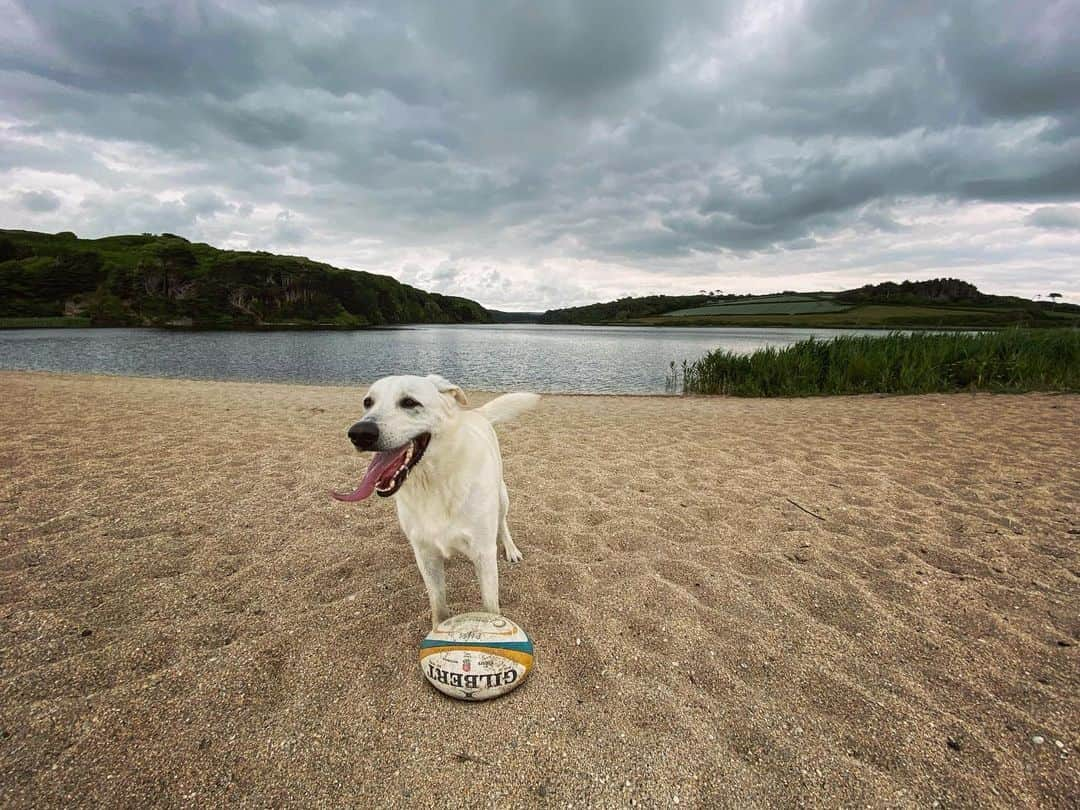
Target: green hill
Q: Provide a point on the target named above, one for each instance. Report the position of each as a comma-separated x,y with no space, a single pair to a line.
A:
937,303
165,280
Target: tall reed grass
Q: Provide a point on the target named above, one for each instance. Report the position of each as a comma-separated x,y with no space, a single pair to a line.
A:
1012,360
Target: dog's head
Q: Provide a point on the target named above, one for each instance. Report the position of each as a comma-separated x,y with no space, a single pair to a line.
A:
401,415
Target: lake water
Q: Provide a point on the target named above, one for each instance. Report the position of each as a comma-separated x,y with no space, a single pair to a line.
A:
623,359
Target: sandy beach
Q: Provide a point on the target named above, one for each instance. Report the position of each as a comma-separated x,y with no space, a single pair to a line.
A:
861,601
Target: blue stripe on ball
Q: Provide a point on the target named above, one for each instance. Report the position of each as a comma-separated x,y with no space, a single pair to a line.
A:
520,646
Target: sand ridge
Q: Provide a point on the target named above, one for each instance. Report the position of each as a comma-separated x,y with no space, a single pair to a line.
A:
187,618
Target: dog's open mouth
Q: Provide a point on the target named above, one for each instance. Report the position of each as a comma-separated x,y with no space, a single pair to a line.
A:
388,470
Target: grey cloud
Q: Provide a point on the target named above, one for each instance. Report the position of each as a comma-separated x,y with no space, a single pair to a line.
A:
205,203
1016,60
287,230
134,212
560,50
878,217
138,212
1064,217
801,191
1060,183
495,281
122,47
444,274
261,127
40,201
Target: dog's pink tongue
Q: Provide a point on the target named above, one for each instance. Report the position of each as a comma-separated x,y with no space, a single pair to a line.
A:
380,463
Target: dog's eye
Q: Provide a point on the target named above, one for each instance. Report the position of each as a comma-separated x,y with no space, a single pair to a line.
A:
368,402
409,402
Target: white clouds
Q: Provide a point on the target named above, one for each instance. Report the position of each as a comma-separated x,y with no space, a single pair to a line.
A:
536,156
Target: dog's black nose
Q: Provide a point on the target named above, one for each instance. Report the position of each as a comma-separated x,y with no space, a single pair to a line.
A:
364,435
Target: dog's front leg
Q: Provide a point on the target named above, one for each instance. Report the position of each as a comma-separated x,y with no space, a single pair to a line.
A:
487,572
432,570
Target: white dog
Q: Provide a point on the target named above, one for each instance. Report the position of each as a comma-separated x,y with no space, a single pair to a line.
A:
444,464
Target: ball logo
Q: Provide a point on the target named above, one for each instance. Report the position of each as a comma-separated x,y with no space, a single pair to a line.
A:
461,681
476,656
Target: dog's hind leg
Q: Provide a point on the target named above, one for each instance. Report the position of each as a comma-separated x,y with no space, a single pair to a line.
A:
432,570
513,554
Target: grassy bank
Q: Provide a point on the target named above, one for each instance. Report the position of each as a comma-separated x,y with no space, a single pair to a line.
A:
58,322
1013,360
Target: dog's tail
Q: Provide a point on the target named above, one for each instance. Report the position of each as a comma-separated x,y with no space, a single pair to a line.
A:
507,407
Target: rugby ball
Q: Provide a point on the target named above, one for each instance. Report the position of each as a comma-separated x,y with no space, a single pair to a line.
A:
476,656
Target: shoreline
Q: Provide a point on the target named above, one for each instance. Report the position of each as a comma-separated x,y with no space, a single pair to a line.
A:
354,387
491,392
328,327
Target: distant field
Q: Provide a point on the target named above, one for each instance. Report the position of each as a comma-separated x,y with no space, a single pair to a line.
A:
861,316
777,304
781,297
789,305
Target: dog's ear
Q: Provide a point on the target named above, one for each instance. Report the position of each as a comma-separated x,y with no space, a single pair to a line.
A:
447,387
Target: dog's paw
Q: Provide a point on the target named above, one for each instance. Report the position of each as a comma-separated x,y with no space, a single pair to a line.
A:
514,555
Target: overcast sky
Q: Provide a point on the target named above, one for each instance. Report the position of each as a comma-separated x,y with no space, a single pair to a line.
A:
539,154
